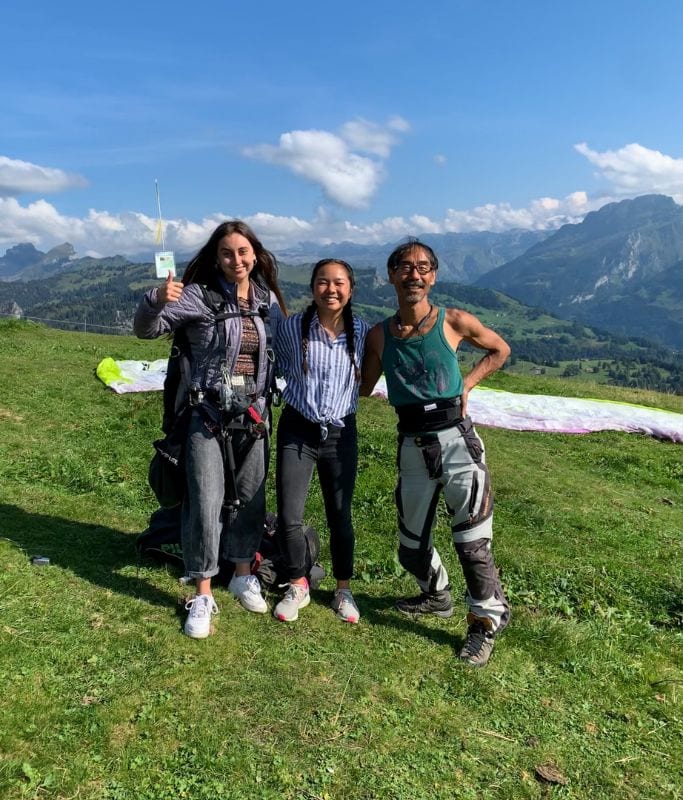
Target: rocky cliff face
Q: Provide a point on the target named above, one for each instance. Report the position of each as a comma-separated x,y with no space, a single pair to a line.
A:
615,258
24,262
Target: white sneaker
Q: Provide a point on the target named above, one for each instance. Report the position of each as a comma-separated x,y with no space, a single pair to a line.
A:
296,597
198,622
345,606
247,590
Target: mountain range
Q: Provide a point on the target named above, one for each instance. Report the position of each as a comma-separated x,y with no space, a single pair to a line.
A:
620,269
102,295
463,257
24,262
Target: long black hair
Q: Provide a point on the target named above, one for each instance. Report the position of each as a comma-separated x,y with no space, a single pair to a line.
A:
347,316
202,268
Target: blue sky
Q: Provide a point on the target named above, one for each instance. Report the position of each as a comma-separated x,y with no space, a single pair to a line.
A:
356,121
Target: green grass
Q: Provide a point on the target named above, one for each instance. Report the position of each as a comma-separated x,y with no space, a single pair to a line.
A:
104,698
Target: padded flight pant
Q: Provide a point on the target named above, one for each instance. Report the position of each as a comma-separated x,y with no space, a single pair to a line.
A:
452,463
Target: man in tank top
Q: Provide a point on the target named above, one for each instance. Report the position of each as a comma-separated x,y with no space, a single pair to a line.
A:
439,452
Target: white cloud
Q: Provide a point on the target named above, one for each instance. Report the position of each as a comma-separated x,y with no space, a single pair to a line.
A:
132,233
440,159
329,160
187,236
545,213
424,224
399,124
22,177
633,170
323,158
370,137
333,161
101,233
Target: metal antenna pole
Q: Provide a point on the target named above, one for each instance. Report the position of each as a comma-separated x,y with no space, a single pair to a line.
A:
161,224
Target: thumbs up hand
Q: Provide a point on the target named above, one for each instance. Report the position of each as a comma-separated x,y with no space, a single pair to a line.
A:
169,291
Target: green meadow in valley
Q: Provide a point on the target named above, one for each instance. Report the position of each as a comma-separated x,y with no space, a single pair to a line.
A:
104,698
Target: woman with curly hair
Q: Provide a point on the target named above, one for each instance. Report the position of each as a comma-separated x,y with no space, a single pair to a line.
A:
231,369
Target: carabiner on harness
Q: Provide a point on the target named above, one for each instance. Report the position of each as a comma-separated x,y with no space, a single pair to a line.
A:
226,393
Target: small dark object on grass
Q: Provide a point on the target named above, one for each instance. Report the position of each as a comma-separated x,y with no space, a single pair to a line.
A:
40,561
550,773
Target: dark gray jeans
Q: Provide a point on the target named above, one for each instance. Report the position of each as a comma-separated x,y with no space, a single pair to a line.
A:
207,527
299,449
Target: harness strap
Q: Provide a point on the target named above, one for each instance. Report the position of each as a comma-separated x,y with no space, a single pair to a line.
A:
224,430
217,303
434,415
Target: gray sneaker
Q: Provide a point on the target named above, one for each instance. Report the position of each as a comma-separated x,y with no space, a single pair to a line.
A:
345,606
479,642
296,597
436,603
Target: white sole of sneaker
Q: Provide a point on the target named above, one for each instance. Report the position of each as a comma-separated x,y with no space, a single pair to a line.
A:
252,609
195,635
441,614
283,618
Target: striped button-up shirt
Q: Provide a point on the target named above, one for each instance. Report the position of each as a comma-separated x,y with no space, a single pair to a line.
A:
330,391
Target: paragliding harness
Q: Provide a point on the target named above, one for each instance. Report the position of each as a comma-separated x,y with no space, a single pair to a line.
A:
224,411
161,541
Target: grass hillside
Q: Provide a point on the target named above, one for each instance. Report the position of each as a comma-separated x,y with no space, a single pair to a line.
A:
104,698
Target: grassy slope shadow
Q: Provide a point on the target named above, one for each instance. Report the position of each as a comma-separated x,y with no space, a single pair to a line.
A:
97,554
93,552
380,611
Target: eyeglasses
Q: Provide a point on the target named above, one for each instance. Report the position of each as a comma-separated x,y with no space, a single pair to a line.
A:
406,267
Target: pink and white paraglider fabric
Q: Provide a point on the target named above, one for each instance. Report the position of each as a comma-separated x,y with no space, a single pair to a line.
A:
519,412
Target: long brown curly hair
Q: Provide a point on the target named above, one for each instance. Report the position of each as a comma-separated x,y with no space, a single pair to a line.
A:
202,268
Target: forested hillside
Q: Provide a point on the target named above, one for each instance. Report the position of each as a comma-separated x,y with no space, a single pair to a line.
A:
103,295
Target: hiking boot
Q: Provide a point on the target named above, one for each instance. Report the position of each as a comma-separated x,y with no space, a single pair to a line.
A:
345,606
437,603
198,622
247,590
479,642
296,597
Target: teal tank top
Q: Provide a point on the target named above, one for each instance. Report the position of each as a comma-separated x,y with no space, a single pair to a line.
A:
420,368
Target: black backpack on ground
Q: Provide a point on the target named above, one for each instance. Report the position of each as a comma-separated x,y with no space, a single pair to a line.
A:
161,541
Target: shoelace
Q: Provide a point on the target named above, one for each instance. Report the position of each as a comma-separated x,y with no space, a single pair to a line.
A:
475,641
345,596
295,590
200,606
424,601
253,585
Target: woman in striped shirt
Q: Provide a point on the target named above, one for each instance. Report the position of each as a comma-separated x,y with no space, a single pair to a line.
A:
319,353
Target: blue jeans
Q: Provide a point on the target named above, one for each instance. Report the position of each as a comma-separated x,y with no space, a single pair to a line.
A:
300,448
207,528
